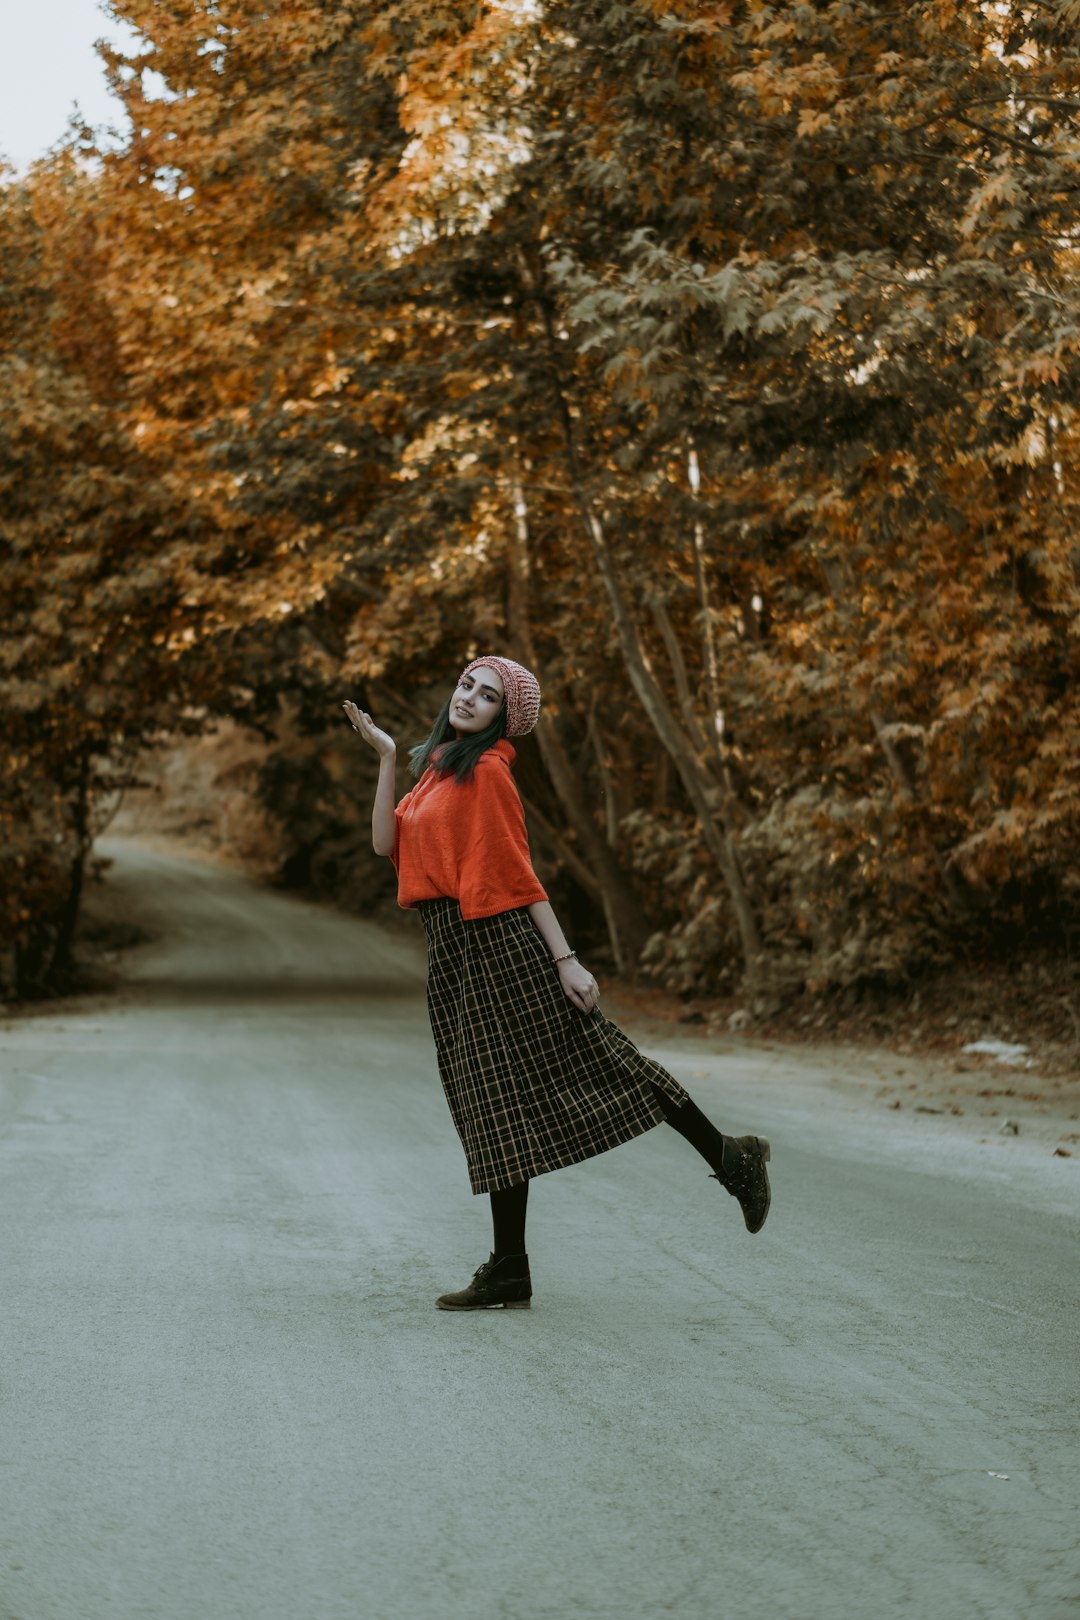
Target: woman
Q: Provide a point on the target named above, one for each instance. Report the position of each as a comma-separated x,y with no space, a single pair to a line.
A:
535,1075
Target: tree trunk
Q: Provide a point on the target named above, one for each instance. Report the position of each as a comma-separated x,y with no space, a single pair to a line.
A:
705,794
708,634
30,954
627,926
61,962
662,784
614,799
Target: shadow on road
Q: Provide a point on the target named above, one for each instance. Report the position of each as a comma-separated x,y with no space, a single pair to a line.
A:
189,989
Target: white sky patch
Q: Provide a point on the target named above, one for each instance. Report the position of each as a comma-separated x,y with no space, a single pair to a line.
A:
48,65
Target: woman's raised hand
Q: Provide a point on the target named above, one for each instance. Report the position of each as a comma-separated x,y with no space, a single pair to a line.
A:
383,744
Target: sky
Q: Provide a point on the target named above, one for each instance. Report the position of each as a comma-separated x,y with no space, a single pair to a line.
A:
47,64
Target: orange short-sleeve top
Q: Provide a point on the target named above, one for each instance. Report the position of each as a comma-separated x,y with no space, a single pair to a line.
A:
466,840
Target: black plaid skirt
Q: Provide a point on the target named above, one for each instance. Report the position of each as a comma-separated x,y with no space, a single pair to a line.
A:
533,1083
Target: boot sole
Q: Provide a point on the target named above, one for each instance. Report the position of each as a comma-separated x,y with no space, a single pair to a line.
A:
765,1149
501,1305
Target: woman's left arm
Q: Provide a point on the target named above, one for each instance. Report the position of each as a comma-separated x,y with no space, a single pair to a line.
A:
576,980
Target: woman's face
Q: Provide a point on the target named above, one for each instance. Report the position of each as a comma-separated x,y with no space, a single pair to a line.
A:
476,701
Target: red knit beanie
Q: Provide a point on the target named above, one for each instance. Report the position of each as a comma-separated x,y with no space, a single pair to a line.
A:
522,692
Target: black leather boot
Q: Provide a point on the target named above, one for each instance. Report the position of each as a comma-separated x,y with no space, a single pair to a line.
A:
746,1178
496,1283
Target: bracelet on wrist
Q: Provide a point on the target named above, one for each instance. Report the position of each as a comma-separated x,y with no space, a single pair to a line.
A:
570,956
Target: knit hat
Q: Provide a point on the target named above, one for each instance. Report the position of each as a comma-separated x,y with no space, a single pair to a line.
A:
522,692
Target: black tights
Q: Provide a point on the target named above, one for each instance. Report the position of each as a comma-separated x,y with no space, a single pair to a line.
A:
509,1204
508,1218
692,1124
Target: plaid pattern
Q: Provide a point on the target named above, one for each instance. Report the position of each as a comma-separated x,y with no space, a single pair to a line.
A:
533,1083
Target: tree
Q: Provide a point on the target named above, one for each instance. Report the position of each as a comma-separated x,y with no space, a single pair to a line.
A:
720,361
88,575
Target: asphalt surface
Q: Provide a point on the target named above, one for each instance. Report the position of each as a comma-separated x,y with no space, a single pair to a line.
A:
230,1195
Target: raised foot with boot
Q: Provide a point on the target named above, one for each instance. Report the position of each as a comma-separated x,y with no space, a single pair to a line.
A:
496,1284
746,1178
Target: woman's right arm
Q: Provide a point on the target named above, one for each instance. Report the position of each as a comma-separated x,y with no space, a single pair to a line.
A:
382,811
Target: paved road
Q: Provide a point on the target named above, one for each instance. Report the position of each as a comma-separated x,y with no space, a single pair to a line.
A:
231,1196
